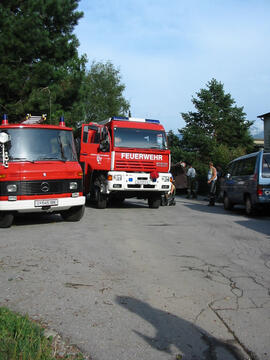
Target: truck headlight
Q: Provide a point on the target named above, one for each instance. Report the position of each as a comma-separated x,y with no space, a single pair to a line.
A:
166,178
73,185
117,177
12,188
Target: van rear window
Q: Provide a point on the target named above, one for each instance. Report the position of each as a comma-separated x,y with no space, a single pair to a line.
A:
266,165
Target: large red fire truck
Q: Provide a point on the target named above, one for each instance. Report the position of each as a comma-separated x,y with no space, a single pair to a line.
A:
39,171
123,158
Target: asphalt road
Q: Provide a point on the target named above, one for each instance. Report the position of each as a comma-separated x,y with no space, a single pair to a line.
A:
133,283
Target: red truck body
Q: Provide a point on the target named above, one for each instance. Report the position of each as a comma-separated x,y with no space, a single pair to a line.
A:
123,158
39,171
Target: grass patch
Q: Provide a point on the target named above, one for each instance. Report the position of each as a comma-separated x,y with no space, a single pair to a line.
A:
23,339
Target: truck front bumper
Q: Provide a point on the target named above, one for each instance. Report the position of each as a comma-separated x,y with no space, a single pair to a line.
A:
123,181
27,206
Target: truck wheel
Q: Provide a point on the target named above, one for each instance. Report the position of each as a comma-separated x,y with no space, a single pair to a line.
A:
6,220
250,210
101,200
154,202
227,203
73,214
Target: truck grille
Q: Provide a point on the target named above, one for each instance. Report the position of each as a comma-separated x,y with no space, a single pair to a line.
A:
138,186
134,165
44,187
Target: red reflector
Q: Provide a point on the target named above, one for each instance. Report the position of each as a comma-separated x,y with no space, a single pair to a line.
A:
259,192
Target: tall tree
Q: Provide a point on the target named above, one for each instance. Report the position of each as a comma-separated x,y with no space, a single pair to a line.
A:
38,51
217,120
102,93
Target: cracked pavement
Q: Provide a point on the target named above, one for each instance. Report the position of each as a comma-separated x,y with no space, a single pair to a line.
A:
188,281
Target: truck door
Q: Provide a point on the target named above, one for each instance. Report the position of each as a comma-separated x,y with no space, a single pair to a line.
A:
95,148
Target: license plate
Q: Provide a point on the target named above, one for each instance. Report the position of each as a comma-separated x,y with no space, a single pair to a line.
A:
46,202
142,182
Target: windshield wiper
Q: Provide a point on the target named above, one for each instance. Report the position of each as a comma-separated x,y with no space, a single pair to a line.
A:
50,158
21,159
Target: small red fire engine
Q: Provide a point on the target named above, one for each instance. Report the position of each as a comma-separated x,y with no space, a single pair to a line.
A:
39,171
123,158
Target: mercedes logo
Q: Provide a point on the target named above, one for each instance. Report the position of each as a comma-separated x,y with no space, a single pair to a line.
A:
45,187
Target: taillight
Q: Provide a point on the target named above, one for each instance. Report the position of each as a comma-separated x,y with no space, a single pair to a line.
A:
259,191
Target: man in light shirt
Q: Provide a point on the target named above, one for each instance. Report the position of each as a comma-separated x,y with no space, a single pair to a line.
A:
211,180
192,183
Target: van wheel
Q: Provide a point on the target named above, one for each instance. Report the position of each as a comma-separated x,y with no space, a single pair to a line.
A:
6,220
154,202
227,203
250,210
101,200
73,214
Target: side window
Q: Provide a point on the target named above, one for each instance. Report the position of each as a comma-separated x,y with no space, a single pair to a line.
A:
250,165
230,169
236,168
266,165
96,137
85,134
77,140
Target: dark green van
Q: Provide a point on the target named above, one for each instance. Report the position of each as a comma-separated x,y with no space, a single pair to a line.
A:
247,182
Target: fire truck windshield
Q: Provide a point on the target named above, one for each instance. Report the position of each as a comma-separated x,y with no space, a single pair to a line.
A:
40,144
139,138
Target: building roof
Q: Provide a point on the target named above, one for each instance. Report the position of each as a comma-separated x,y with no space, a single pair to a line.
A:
264,116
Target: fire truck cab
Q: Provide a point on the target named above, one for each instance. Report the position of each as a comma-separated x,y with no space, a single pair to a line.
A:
39,171
123,158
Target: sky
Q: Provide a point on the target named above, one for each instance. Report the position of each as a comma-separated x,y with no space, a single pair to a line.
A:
168,50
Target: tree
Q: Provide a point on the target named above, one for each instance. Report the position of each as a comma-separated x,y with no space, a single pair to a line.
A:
217,120
102,93
39,59
174,146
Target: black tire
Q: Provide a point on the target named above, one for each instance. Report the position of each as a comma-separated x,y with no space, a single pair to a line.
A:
154,202
163,201
73,214
6,220
101,200
227,203
249,208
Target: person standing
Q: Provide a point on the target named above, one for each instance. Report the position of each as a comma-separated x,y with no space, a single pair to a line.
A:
211,180
191,179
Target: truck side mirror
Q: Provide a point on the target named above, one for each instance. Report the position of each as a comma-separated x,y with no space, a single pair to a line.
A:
104,145
104,140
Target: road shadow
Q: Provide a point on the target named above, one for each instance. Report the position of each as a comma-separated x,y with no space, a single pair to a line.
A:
127,204
36,219
259,225
192,342
258,222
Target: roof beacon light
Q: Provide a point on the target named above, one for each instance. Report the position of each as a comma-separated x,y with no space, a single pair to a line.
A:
119,118
62,121
152,121
5,120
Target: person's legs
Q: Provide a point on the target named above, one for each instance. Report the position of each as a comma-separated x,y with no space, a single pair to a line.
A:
193,189
188,188
212,191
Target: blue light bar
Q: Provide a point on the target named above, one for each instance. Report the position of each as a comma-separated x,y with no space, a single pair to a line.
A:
119,118
152,121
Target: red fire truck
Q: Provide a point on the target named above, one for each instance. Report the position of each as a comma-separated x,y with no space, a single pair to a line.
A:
123,158
39,171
